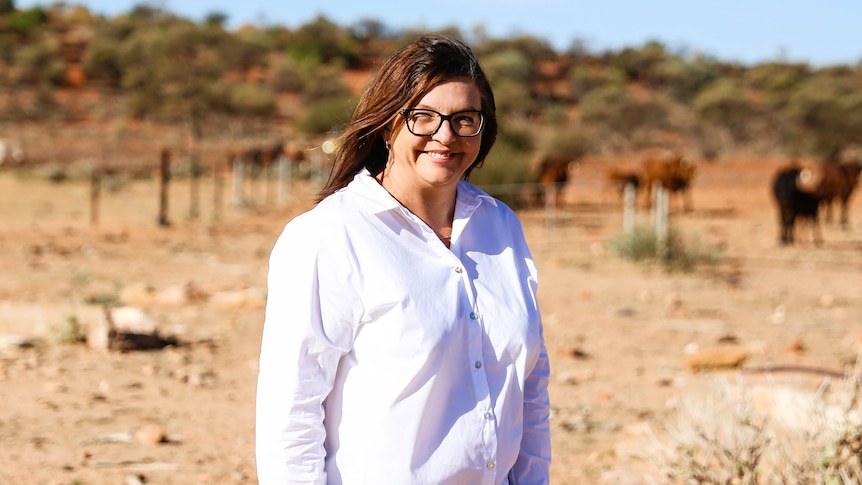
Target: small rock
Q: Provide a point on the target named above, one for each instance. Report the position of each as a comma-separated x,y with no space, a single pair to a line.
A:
571,351
672,302
795,346
10,341
151,434
134,480
779,316
712,359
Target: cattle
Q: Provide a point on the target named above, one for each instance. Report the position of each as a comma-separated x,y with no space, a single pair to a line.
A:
795,201
552,173
837,183
619,179
675,173
257,159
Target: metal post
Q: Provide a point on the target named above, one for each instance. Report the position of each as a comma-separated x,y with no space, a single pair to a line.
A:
629,203
661,224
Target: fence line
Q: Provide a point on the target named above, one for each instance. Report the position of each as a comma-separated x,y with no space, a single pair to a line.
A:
286,173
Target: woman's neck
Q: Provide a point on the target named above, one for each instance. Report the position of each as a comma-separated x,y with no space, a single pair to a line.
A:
435,206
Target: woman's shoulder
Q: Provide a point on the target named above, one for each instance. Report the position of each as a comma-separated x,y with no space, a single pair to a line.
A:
331,218
474,195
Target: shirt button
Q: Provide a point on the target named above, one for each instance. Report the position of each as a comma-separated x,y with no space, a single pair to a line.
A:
488,415
490,465
473,316
459,269
477,364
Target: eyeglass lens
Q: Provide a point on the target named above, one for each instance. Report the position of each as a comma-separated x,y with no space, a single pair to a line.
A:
425,122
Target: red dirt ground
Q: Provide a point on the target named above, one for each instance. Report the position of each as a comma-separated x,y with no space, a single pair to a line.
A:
618,332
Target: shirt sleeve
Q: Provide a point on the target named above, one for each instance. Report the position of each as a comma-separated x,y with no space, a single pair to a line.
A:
534,459
305,334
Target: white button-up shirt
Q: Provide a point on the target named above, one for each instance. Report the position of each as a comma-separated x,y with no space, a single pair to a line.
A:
389,359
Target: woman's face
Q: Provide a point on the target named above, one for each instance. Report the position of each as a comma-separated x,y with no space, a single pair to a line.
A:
420,163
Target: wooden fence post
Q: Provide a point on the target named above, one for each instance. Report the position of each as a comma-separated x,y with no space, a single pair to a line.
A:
95,189
164,182
285,167
550,193
194,185
238,182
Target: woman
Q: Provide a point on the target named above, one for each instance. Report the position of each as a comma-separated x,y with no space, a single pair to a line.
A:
403,342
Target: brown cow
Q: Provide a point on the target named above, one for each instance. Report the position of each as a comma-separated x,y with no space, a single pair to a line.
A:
258,158
675,173
837,182
618,180
552,173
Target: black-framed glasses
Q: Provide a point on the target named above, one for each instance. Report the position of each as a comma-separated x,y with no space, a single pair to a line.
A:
426,122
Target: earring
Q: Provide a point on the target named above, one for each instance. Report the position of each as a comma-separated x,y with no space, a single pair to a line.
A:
387,145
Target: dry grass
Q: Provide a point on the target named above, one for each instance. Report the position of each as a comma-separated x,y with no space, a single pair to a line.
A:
731,436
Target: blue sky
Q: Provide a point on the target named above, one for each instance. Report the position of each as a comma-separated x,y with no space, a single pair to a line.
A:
747,31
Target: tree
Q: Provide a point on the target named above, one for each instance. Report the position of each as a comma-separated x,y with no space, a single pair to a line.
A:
324,42
615,109
176,72
777,80
682,79
827,109
7,6
584,78
638,63
726,103
511,72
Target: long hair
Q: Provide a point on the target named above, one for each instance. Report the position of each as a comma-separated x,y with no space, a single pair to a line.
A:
401,81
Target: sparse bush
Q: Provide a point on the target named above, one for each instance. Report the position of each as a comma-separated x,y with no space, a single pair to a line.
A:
585,78
726,103
507,166
70,332
615,109
54,172
641,244
723,439
327,114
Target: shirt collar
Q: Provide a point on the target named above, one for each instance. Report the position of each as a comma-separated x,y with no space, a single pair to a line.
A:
377,199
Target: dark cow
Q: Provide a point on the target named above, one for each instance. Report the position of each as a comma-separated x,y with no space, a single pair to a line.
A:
837,182
794,202
674,173
552,173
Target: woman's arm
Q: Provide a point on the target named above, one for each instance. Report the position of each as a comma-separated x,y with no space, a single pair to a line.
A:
534,459
300,350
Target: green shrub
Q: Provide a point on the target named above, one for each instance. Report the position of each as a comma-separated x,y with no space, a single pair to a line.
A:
641,244
327,114
70,332
507,167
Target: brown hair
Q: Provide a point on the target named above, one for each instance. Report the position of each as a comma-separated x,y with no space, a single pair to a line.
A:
402,80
